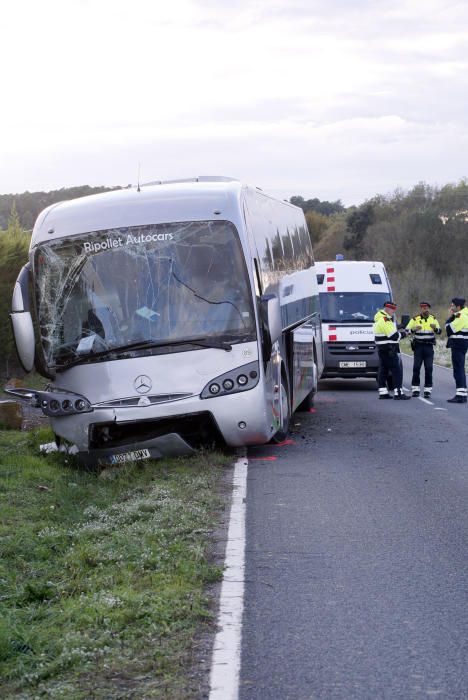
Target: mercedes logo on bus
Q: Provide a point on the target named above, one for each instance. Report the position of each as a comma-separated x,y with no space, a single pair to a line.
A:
142,384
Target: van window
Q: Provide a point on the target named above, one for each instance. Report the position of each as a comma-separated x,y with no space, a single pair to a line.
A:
376,279
320,279
350,307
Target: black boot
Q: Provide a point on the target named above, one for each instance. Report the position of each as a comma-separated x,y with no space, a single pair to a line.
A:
384,396
400,396
457,399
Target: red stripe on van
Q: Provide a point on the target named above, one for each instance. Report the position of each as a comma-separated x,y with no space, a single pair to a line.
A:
330,269
330,289
330,279
332,337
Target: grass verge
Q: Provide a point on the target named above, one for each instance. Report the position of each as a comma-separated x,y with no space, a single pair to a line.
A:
442,355
103,581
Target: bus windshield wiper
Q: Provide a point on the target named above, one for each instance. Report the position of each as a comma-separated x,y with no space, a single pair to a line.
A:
201,342
144,344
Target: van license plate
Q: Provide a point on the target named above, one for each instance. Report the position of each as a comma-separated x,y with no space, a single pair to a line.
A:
352,364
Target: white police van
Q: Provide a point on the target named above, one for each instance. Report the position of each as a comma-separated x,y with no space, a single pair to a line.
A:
350,292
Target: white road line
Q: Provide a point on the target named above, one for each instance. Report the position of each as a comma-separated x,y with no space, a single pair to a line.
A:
440,409
431,403
226,659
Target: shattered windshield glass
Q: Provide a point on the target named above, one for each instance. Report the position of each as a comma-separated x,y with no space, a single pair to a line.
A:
140,285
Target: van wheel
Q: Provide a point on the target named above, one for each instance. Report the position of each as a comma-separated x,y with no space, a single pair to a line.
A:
285,414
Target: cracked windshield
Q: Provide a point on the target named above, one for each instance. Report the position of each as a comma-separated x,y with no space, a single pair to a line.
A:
350,306
146,284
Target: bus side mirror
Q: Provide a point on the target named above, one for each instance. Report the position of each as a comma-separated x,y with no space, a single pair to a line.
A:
271,317
21,319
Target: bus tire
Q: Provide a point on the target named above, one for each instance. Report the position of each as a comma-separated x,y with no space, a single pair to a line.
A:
309,400
282,433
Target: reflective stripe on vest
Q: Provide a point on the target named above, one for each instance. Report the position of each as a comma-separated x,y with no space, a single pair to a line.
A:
385,340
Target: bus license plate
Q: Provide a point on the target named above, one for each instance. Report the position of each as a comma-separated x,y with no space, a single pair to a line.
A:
352,364
133,456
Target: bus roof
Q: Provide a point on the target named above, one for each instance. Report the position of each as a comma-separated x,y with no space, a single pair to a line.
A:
198,199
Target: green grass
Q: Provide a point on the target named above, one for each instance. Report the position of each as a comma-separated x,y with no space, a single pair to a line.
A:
442,354
103,581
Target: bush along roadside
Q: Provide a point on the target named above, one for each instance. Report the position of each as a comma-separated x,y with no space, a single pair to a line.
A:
104,577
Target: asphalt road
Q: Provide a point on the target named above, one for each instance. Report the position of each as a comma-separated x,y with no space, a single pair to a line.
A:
356,552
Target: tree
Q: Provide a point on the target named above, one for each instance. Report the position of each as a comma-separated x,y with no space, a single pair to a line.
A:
14,227
321,207
357,224
317,225
14,245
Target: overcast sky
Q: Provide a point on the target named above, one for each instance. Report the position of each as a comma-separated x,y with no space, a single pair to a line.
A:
336,99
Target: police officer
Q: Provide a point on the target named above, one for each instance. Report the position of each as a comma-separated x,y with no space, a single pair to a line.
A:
424,327
387,337
457,340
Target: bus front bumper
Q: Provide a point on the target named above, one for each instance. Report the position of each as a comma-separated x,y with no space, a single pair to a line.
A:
119,435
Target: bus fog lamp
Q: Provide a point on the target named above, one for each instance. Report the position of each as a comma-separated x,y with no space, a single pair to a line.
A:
80,405
228,384
67,405
242,380
54,405
242,425
214,389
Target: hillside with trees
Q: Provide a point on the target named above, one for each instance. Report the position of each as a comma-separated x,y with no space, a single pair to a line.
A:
421,236
29,204
14,246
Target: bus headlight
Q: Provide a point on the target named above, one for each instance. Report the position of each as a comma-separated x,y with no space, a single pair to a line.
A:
239,379
60,403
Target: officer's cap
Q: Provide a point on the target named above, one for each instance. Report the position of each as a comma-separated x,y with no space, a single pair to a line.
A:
390,305
422,304
458,301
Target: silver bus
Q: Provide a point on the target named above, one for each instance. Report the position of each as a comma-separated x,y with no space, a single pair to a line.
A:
167,315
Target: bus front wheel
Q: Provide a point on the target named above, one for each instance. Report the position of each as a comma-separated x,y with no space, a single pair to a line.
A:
283,431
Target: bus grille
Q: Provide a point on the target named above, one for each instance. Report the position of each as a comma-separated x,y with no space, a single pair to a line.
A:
197,429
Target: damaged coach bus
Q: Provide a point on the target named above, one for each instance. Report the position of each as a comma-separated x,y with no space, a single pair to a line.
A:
167,315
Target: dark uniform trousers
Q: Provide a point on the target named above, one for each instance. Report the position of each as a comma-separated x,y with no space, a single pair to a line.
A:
389,362
423,353
458,362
